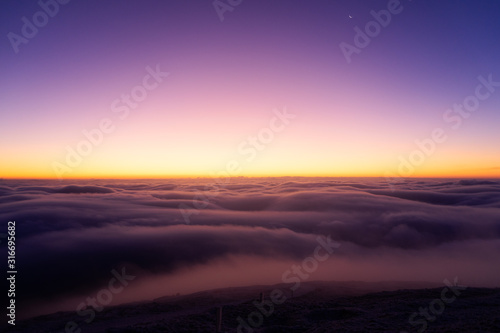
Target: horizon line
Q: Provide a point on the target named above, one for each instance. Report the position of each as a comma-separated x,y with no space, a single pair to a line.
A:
249,177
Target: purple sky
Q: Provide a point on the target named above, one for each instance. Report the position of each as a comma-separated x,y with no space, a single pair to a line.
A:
227,76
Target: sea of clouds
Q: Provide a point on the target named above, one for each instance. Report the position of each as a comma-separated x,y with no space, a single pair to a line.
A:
71,234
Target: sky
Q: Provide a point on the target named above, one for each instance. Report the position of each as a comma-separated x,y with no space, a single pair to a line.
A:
153,89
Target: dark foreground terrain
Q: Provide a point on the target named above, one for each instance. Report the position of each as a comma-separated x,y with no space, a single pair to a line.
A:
315,307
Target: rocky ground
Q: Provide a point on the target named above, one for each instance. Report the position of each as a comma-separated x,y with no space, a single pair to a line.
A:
315,307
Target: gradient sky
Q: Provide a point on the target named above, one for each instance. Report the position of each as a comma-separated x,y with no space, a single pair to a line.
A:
227,77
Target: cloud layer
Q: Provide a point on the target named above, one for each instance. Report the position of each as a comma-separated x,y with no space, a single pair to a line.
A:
71,235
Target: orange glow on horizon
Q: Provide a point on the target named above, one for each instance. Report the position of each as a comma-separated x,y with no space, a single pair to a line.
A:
491,174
